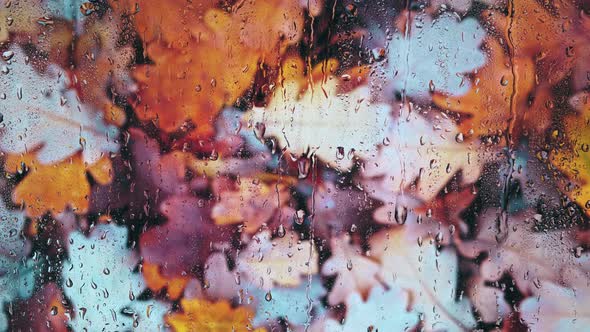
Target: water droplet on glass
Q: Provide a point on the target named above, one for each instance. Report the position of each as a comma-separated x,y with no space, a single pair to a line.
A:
504,81
339,153
281,231
7,55
401,214
259,130
303,166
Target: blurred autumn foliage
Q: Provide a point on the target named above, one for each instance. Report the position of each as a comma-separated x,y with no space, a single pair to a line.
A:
294,165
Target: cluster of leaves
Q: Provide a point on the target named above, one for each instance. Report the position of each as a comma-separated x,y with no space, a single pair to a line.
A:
281,165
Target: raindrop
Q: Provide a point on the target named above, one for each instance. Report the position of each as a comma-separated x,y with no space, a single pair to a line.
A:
339,153
259,130
303,166
431,86
7,55
87,8
401,214
504,81
281,231
578,252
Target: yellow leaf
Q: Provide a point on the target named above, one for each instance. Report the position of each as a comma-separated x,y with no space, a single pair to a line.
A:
204,316
55,187
574,160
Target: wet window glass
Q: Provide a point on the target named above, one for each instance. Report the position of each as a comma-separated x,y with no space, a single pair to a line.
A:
294,165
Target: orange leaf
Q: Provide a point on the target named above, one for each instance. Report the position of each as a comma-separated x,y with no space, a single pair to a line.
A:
55,187
487,106
212,62
156,281
204,316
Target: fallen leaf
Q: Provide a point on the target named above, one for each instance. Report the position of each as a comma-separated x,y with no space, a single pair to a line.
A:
183,243
355,272
205,316
530,255
322,119
156,281
420,159
384,310
249,201
557,308
56,187
435,55
267,262
505,93
48,117
213,64
429,275
573,160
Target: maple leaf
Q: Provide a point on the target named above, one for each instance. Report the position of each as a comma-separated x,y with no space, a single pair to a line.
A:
55,187
439,218
428,274
488,301
530,256
101,65
574,160
543,31
501,86
249,201
338,210
156,281
205,316
197,76
434,56
557,308
293,304
385,310
422,157
41,113
101,267
185,240
355,273
322,119
267,262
